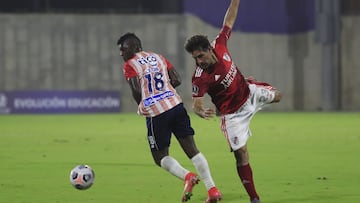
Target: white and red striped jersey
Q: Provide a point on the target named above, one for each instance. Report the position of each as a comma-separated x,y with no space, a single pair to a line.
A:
157,93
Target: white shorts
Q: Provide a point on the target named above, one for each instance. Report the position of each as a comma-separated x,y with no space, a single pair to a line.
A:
236,126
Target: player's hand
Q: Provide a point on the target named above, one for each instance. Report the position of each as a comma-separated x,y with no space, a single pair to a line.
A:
208,113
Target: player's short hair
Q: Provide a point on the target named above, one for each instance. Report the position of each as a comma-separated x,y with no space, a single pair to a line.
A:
131,37
197,42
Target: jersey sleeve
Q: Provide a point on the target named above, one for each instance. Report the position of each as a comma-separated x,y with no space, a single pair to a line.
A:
129,71
223,36
199,87
168,64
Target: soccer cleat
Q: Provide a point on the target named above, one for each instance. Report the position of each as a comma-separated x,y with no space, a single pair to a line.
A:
191,179
255,200
214,195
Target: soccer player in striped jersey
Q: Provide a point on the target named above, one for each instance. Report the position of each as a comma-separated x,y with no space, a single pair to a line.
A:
152,79
235,97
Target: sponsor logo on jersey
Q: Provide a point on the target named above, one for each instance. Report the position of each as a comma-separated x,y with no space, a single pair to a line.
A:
198,72
217,77
151,59
226,57
230,76
195,90
153,99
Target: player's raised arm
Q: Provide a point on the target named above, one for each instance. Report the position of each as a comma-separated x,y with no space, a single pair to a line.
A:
231,13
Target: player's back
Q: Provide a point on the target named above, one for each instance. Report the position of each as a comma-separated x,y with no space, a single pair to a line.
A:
158,95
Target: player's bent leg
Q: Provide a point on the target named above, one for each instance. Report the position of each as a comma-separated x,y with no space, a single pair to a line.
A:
173,166
188,145
170,164
202,167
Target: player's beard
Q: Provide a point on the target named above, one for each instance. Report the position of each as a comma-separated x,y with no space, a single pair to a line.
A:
204,66
208,66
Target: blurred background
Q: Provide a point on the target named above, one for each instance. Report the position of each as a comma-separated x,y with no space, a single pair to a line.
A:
61,56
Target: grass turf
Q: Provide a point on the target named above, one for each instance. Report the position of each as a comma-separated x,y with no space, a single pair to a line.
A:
296,157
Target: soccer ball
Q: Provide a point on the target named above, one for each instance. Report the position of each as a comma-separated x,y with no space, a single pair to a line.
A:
82,177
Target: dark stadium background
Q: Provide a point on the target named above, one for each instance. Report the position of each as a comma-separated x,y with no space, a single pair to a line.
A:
350,7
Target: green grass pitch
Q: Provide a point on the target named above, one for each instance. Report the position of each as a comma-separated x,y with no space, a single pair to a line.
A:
296,157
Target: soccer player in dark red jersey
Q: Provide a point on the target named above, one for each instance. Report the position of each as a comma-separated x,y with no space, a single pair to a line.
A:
235,97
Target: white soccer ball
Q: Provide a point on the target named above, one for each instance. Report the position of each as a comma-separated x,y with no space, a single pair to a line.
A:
82,177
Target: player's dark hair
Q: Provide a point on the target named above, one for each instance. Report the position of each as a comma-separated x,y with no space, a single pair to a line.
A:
197,42
132,38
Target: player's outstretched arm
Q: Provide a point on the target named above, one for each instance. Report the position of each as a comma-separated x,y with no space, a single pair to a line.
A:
198,107
231,13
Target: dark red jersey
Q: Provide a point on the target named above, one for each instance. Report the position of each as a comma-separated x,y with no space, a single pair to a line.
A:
225,84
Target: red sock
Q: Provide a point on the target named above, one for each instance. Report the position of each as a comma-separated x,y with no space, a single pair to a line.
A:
245,174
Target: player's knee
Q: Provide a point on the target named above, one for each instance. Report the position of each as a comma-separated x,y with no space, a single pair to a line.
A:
241,156
157,159
157,162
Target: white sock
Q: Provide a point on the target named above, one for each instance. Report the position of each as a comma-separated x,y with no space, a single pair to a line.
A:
170,164
202,168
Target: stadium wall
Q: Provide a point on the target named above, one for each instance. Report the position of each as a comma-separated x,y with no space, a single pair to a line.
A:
78,52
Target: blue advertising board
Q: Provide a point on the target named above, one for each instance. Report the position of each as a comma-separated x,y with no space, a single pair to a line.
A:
52,102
